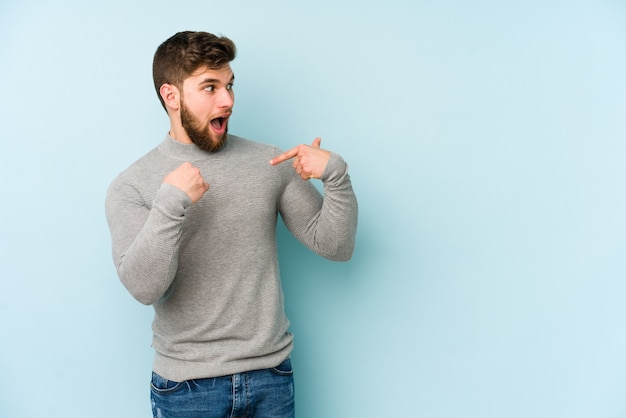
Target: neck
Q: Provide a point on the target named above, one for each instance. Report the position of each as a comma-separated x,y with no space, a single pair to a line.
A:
178,133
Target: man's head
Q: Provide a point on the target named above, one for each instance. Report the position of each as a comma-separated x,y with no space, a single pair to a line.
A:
193,79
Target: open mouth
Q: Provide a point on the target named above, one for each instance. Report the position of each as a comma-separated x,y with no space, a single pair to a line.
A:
219,124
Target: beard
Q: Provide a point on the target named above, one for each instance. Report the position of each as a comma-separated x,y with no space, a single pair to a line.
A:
202,136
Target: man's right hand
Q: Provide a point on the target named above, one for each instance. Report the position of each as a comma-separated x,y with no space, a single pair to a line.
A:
188,179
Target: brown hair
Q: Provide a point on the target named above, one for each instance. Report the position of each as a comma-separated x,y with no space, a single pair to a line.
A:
182,54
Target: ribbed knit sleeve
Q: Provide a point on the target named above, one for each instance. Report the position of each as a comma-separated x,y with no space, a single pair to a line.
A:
145,237
327,225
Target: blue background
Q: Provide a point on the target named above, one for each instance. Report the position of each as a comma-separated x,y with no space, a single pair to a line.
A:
486,146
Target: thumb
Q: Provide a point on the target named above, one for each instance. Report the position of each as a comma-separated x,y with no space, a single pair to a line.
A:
317,142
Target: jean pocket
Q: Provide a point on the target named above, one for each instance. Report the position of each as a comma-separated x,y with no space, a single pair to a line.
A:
283,369
161,385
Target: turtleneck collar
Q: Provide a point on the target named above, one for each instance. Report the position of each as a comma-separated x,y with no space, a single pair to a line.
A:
187,152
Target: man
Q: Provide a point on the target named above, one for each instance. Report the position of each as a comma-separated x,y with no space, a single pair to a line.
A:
193,226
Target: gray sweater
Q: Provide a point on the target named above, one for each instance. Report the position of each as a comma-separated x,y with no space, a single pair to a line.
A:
210,270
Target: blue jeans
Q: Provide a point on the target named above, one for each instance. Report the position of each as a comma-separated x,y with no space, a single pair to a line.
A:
267,393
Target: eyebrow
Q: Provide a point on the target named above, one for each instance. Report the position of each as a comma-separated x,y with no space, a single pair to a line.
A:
215,80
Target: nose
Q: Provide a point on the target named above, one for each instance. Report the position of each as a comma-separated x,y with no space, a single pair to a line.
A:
226,98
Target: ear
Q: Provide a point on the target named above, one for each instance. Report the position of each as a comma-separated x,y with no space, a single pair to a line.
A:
170,95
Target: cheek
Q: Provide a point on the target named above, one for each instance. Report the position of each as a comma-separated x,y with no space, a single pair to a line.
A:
197,104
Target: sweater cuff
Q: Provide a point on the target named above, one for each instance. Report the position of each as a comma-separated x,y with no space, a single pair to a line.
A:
335,170
172,200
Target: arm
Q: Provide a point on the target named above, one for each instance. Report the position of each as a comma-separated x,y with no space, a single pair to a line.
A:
145,239
326,225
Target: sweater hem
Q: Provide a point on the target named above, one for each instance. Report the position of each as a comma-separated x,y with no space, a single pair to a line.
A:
178,370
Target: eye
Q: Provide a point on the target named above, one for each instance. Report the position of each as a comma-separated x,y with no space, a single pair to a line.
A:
229,86
210,89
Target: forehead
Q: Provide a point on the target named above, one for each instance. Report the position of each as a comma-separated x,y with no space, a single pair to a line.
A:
204,74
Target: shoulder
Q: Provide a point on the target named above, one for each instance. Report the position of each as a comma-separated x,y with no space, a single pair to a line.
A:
249,146
254,157
143,177
139,166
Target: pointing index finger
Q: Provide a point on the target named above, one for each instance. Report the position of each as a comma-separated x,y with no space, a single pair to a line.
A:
287,155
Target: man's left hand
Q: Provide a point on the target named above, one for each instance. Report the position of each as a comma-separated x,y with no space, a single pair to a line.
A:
309,161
